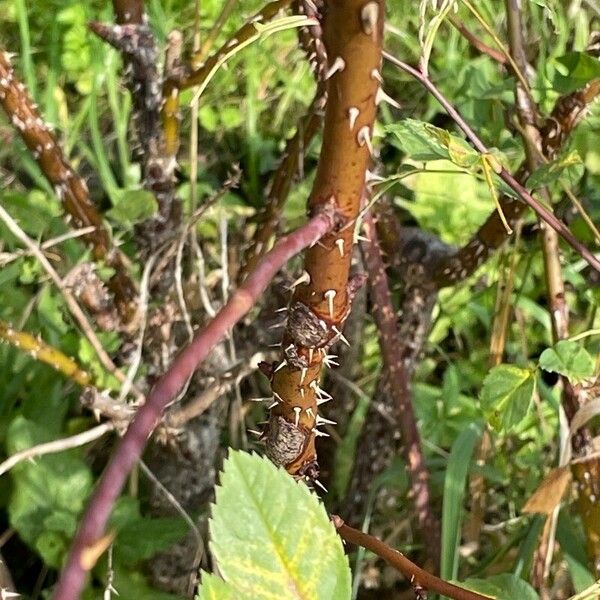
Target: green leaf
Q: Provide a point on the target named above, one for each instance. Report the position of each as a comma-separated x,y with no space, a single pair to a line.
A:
574,70
502,587
569,168
422,141
214,588
271,536
569,359
506,396
48,494
454,492
133,206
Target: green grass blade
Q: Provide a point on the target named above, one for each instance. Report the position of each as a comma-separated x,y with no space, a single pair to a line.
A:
454,493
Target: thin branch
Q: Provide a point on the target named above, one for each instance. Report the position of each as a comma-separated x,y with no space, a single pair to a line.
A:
398,561
39,350
399,388
480,46
70,188
167,387
534,204
72,304
55,446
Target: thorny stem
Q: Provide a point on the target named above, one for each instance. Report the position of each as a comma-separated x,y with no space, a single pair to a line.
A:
534,204
128,11
39,350
70,188
353,32
166,388
416,575
398,381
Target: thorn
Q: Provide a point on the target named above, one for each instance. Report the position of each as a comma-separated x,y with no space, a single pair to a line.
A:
302,392
320,433
317,482
273,405
280,366
97,414
324,421
323,400
381,96
255,432
277,326
297,410
289,348
339,64
362,238
329,296
364,137
261,399
309,412
353,113
340,335
375,74
283,309
303,373
369,16
329,360
370,176
311,352
277,397
304,278
340,244
278,345
323,325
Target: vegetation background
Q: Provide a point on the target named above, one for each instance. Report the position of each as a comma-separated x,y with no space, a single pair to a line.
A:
232,139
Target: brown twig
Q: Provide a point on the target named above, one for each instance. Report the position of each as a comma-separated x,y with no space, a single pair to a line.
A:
166,389
398,380
398,561
480,46
70,188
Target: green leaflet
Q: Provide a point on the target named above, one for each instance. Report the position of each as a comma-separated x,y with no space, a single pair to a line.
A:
506,396
569,359
272,538
502,587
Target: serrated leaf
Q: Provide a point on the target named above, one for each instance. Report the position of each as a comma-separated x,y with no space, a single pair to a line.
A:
214,588
550,492
569,168
271,536
502,587
569,359
574,71
423,141
506,396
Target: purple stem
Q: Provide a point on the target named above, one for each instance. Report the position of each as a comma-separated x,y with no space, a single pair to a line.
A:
539,208
166,389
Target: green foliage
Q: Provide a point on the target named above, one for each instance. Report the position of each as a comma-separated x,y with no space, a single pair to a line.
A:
502,587
271,537
569,359
574,70
506,396
133,206
567,169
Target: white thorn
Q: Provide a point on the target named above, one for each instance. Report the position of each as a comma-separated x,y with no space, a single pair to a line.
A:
310,413
353,113
278,345
311,352
320,433
290,347
280,366
364,137
254,432
375,74
323,400
381,96
369,16
273,405
339,64
324,421
277,326
261,399
277,397
329,296
303,373
341,336
297,410
340,244
304,278
283,309
362,238
302,392
317,482
370,176
329,360
323,325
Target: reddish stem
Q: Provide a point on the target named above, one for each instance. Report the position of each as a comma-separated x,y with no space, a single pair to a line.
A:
166,388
